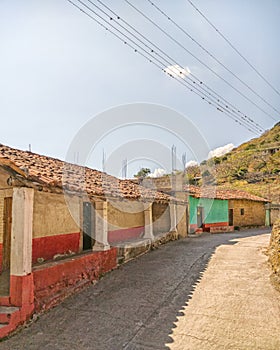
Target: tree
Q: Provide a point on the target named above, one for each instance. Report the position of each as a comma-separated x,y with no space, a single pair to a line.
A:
143,172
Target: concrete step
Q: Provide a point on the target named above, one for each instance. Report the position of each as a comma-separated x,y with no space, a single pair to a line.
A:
6,313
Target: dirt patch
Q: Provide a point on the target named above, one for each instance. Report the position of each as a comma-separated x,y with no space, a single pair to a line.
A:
274,254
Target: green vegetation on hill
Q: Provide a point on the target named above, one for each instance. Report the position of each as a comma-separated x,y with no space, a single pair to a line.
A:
253,167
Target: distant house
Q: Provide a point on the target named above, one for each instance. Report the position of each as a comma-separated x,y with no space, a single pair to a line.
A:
212,209
206,211
63,225
224,209
272,213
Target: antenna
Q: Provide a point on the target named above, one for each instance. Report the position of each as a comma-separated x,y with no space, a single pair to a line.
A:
29,147
103,161
184,161
173,158
124,168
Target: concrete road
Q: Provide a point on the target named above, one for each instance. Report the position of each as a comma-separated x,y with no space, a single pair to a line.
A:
142,305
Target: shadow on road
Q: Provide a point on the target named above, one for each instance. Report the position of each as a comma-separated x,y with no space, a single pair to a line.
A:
133,307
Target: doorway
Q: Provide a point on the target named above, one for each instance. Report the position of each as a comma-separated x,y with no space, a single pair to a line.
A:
230,217
87,226
200,216
7,233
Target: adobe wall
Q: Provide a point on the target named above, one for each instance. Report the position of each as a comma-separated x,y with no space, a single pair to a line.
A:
274,254
55,231
254,212
125,220
274,215
161,218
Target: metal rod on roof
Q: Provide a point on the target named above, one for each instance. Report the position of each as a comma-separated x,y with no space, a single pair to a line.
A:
103,161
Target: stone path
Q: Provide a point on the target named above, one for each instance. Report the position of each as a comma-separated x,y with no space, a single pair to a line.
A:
150,302
234,306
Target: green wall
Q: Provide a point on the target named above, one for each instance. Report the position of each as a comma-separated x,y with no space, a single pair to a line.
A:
215,210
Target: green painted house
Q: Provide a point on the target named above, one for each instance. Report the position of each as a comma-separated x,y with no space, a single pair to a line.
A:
206,213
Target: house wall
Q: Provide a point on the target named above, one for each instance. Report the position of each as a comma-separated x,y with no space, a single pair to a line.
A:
125,220
254,212
215,211
274,214
161,218
55,231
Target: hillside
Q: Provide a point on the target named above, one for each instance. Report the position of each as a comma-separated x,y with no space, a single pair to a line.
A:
254,167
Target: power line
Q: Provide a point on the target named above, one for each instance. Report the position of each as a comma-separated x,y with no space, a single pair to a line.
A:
225,102
199,60
232,46
158,63
212,56
200,82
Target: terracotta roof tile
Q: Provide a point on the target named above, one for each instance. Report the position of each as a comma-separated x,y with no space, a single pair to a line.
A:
213,192
56,173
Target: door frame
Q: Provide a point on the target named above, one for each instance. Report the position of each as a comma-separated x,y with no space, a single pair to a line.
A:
7,232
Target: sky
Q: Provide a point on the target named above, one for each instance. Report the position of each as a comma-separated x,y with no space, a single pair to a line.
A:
62,74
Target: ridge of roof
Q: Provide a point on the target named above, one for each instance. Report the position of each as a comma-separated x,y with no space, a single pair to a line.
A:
221,193
54,172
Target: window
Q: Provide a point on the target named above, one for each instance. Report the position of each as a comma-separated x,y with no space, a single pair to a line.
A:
242,211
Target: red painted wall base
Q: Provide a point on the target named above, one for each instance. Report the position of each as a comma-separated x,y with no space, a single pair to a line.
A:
54,281
47,247
215,224
125,234
22,296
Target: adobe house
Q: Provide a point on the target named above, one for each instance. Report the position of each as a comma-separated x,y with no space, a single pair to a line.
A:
212,209
207,212
272,213
217,210
62,226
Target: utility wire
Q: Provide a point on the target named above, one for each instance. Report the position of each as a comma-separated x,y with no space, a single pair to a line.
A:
232,46
220,99
171,63
159,64
183,47
212,56
199,60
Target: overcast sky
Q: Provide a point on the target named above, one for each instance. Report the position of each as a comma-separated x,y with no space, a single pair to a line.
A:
59,70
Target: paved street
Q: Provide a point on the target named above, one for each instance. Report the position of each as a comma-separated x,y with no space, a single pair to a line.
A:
134,307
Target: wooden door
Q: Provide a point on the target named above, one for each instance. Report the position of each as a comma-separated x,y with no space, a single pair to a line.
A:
7,232
200,216
230,217
87,226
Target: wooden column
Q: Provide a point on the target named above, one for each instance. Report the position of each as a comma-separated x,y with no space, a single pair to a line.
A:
22,226
173,217
21,277
101,227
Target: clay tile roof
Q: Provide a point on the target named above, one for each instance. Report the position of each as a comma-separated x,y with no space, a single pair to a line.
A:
217,193
53,172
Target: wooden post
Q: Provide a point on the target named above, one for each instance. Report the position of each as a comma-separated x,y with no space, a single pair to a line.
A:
22,226
173,217
101,227
148,215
